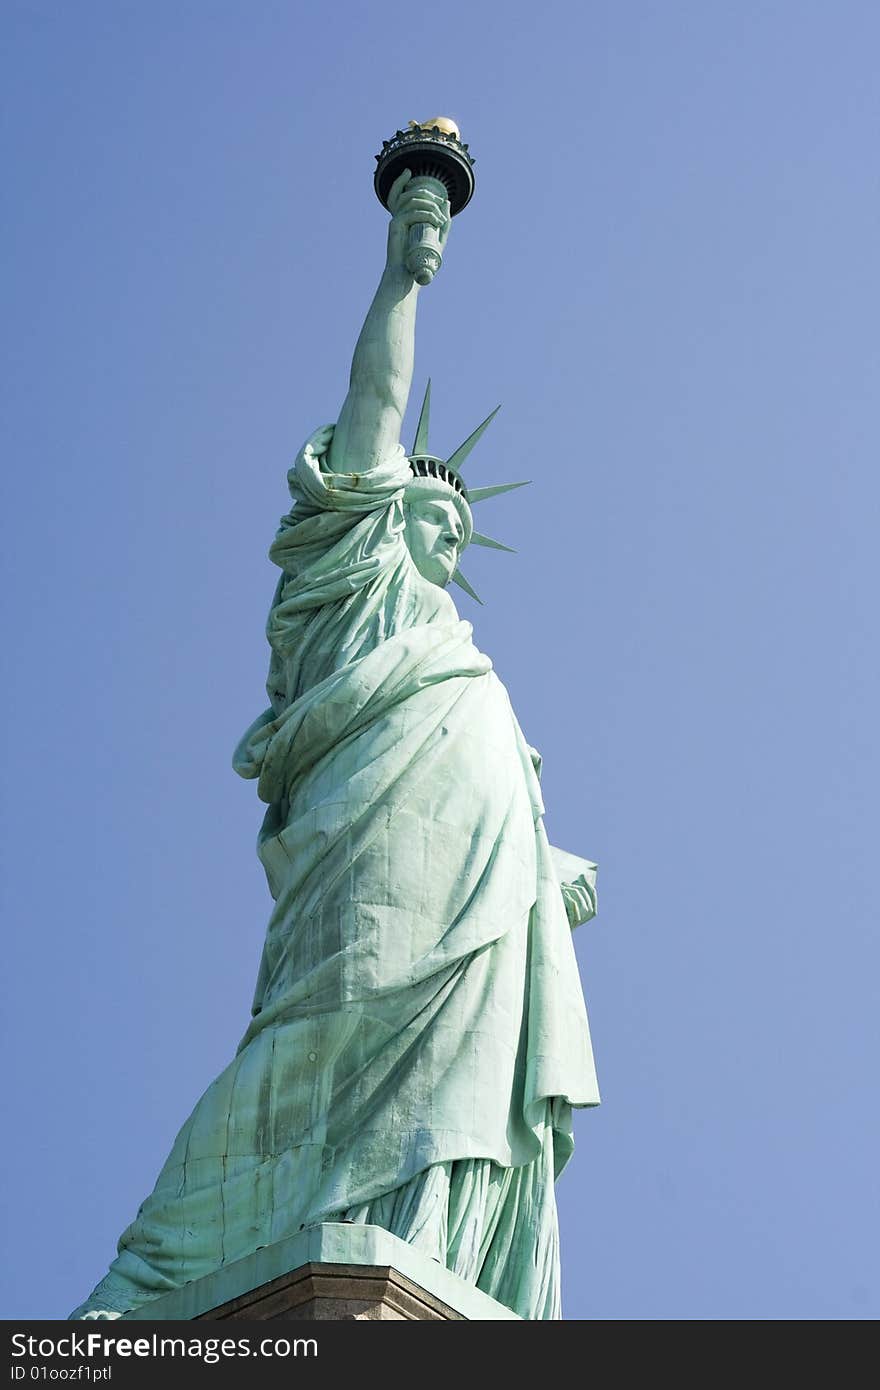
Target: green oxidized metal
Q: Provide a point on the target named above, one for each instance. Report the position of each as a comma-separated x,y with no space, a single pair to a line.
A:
418,1034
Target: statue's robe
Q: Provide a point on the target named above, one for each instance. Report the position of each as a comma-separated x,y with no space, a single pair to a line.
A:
419,1034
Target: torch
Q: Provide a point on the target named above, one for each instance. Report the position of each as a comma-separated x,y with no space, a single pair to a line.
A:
437,159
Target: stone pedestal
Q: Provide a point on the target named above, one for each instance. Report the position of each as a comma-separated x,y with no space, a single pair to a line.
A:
334,1293
333,1272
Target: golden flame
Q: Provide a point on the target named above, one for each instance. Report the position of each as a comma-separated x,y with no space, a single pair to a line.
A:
444,123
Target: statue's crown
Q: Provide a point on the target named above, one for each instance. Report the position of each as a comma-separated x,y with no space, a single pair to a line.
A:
429,470
428,466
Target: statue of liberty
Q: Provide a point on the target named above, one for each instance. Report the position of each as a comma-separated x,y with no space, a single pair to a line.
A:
419,1035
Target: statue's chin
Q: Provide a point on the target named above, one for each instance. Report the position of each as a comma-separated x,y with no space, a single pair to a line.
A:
435,572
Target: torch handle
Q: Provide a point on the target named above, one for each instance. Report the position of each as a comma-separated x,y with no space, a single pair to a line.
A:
424,256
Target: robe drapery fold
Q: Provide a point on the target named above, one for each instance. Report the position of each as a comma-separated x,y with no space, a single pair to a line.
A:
418,1011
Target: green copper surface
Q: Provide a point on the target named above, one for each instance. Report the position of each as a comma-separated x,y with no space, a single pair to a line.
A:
419,1035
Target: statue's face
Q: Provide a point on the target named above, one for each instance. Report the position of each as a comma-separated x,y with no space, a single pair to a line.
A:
434,536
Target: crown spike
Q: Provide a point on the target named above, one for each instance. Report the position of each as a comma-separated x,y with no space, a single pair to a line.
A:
478,539
459,579
480,494
457,459
421,444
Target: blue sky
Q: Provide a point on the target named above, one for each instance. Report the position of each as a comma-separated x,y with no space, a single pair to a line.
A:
668,275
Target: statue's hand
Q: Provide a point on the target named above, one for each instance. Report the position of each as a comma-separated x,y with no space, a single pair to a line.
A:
408,208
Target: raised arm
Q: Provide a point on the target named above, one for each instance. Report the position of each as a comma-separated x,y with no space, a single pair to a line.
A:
381,371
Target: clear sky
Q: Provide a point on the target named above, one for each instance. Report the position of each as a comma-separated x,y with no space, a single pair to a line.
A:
669,277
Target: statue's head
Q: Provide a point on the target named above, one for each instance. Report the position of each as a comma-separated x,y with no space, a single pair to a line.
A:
437,507
438,519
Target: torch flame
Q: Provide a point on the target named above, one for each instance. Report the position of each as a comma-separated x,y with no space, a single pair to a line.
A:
443,123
